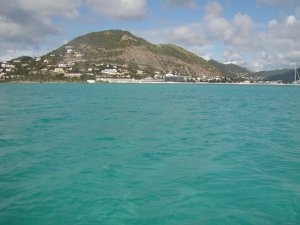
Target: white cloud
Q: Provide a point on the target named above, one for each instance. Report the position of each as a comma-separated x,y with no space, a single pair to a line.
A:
213,9
19,10
242,26
232,32
188,35
274,45
218,29
276,2
119,9
272,23
243,22
182,3
297,12
290,20
28,31
50,8
28,24
212,35
232,56
280,43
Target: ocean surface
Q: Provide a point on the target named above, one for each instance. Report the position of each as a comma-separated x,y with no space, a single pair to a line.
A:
147,154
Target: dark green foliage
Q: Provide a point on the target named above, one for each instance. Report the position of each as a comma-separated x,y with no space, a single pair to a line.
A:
111,39
286,75
230,70
23,58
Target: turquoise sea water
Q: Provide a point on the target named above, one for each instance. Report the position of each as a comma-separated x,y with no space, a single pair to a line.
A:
118,154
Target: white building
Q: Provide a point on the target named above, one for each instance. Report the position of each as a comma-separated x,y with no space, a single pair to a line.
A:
59,70
62,65
110,71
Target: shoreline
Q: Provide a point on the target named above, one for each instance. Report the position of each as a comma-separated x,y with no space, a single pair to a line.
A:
147,82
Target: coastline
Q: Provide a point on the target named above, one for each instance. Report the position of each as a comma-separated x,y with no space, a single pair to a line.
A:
147,82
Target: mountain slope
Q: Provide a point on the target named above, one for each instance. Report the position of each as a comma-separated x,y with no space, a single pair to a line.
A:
122,47
286,75
230,70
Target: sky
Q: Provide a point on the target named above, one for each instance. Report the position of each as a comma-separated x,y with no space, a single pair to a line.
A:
257,34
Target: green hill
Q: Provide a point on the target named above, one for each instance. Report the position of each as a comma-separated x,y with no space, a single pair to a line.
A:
230,70
123,48
285,75
22,58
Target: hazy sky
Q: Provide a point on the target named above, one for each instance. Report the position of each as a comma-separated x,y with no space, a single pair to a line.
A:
258,34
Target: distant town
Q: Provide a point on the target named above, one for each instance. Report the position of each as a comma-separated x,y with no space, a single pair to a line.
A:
74,68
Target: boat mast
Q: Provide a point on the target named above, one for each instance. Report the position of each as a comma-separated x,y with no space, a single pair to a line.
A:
295,73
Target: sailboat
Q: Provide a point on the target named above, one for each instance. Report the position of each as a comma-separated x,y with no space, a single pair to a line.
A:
296,75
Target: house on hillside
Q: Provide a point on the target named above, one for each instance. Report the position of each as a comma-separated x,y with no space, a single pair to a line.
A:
59,70
69,50
110,71
62,65
77,54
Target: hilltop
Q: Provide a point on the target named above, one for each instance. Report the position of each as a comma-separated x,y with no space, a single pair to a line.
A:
122,47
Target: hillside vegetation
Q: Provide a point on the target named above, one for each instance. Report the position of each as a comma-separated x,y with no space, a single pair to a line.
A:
122,47
231,70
